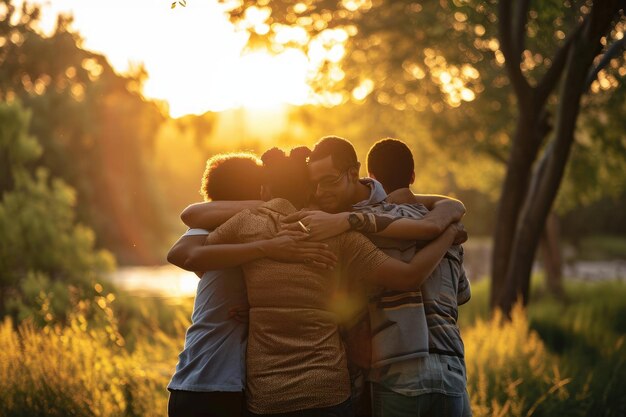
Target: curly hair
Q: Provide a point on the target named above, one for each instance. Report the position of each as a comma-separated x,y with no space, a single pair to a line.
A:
232,176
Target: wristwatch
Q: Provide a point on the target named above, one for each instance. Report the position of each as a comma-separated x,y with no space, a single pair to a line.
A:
355,221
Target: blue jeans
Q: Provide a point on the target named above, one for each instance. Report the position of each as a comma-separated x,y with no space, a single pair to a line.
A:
388,403
340,410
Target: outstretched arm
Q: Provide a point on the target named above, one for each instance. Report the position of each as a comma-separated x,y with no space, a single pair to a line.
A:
443,210
322,225
210,215
406,196
193,254
398,275
388,225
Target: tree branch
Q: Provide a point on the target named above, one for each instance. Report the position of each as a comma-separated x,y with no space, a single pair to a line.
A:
520,17
512,57
551,77
613,50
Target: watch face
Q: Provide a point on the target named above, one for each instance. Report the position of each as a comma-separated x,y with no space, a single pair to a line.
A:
354,221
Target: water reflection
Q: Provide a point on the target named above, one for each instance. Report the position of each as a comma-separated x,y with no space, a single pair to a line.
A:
162,281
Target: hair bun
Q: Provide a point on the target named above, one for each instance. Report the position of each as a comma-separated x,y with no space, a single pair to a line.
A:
272,155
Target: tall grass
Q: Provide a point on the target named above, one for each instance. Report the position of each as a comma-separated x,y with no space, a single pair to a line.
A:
556,359
85,368
510,371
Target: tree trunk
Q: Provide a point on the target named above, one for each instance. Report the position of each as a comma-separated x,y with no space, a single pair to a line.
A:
552,259
511,199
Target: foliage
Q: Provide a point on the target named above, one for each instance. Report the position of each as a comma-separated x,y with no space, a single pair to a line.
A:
600,151
82,370
601,248
46,260
95,129
441,64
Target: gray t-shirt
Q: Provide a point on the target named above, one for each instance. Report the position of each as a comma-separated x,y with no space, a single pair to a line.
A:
213,358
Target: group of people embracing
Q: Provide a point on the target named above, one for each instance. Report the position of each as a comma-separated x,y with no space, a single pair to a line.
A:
321,293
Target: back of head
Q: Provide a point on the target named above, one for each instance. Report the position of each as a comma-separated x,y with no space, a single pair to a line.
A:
341,150
232,176
390,161
286,176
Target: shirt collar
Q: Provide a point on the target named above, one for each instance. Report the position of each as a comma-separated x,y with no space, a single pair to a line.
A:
377,193
279,206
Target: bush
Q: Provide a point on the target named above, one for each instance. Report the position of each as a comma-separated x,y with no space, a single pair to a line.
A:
602,248
47,261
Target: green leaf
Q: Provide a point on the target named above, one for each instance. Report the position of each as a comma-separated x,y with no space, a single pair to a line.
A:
173,5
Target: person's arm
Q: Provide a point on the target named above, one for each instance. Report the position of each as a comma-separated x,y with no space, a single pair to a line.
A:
398,275
322,225
406,196
443,210
392,226
191,253
210,215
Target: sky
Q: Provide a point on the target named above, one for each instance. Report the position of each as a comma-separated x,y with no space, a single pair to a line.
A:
194,57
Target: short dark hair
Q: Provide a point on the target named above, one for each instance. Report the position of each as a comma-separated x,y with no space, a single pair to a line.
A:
287,175
391,162
341,150
232,176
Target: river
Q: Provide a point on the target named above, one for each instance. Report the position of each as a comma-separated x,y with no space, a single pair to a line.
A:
162,281
171,282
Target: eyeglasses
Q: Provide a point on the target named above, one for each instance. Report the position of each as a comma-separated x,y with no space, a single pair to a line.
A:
330,182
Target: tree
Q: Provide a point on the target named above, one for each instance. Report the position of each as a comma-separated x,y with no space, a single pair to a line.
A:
96,130
528,192
483,76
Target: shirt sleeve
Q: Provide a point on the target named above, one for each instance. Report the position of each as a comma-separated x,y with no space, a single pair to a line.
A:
464,292
196,232
231,230
360,256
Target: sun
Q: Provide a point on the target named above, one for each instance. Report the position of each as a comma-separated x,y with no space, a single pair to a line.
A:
255,80
269,80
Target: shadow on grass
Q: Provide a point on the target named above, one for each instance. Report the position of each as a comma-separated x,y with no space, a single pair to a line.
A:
561,341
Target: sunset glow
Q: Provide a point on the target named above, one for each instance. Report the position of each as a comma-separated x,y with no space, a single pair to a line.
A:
195,59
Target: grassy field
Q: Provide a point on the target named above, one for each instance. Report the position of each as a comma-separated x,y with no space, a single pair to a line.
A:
562,358
556,359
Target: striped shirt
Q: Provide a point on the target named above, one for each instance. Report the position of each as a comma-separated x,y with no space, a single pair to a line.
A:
416,343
